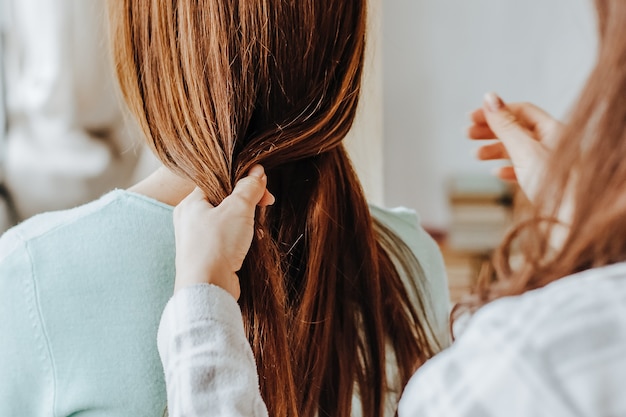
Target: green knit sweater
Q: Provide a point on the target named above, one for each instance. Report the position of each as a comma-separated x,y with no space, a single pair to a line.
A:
81,295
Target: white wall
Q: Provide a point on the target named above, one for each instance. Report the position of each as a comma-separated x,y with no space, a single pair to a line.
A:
3,23
441,56
365,140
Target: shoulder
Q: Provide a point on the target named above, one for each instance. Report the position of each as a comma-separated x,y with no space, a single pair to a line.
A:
117,204
10,242
397,217
586,296
65,276
81,239
561,345
405,224
61,246
572,319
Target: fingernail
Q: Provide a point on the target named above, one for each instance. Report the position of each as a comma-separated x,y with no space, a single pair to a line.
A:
257,171
493,102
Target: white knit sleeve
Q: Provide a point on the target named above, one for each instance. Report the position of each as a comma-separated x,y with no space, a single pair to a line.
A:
209,366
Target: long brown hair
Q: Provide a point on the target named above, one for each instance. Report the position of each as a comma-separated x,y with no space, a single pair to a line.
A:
220,85
586,177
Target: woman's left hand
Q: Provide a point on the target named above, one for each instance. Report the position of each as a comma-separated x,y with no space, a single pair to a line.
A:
526,134
212,242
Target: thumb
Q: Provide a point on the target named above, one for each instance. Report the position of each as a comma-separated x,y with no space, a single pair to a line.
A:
517,140
250,190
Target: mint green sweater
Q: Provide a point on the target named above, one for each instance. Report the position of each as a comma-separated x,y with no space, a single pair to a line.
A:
81,296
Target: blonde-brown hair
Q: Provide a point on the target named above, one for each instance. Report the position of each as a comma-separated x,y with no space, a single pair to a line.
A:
220,85
586,173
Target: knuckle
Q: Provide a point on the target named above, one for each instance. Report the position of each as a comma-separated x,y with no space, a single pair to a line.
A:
252,181
508,120
241,201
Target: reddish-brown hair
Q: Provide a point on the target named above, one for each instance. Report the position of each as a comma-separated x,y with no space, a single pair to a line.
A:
586,176
220,85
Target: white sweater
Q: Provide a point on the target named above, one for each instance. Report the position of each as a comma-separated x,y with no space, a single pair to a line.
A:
190,320
557,351
208,363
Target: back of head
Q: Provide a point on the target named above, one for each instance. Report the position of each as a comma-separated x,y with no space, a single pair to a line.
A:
220,85
585,177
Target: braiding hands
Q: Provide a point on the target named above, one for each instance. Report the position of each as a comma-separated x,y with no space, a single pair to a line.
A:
212,242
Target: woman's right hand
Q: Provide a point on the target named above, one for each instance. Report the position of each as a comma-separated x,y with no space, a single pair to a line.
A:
526,135
212,242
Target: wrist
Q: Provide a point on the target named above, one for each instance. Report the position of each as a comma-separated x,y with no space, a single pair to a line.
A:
220,277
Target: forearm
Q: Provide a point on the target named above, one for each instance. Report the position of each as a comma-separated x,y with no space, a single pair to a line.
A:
209,366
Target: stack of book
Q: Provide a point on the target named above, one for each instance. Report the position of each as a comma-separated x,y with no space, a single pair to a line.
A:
480,212
480,216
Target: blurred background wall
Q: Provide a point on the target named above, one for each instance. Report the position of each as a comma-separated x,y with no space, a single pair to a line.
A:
365,141
428,64
68,140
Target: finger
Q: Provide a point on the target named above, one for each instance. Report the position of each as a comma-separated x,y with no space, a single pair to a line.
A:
518,140
491,152
480,132
530,115
250,190
506,173
267,200
478,117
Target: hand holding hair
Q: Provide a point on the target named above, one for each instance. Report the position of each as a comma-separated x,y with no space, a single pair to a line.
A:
526,135
212,242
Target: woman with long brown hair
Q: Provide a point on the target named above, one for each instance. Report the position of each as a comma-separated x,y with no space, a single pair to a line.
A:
341,301
220,85
548,334
546,338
